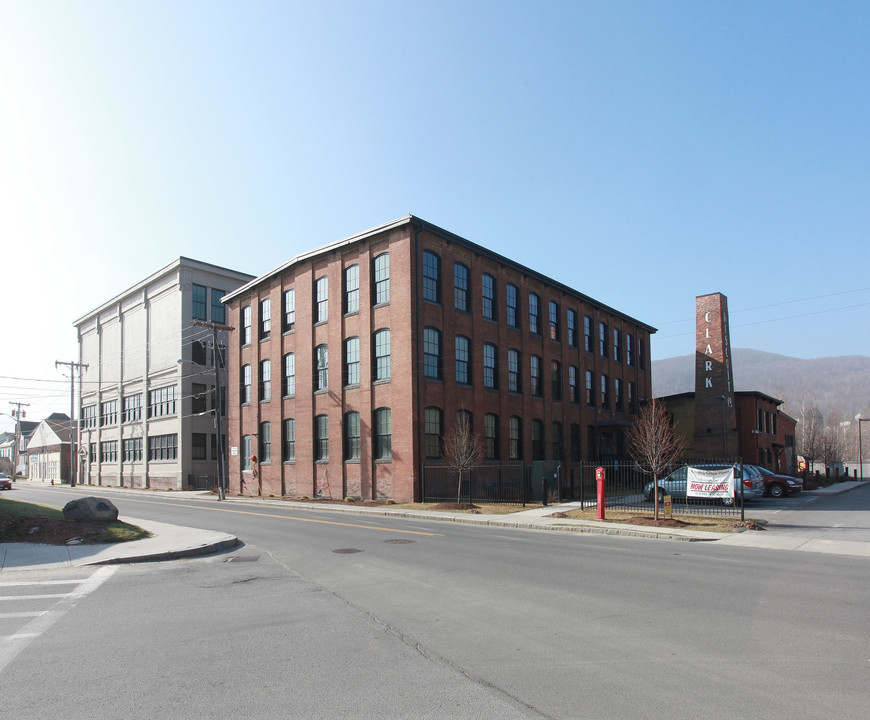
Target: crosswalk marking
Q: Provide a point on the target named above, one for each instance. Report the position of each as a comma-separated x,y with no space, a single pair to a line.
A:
11,645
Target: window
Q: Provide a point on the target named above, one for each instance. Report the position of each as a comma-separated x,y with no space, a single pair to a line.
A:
351,289
265,388
576,451
161,401
132,449
534,314
247,452
588,339
555,325
199,352
198,300
351,361
573,390
605,392
641,357
351,436
163,447
245,335
321,438
288,377
537,439
431,276
433,423
289,310
218,309
513,312
514,383
591,444
590,391
288,445
460,287
617,345
490,365
432,353
557,440
487,292
629,356
617,394
265,442
381,365
198,398
490,436
109,413
382,278
198,446
464,419
321,368
265,318
556,380
602,339
515,437
321,300
572,328
631,397
383,434
132,411
535,376
109,451
89,416
463,360
92,453
245,385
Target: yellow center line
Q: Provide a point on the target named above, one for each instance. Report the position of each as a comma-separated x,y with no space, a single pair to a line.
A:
286,517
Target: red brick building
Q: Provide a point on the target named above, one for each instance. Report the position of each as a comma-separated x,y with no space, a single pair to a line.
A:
348,365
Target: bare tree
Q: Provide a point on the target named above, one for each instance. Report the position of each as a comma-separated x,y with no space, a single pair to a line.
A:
463,449
810,432
654,445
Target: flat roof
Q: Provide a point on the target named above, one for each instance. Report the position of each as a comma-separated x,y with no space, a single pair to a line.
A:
165,270
446,234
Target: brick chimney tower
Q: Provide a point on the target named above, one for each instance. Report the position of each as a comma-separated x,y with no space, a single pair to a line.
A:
715,415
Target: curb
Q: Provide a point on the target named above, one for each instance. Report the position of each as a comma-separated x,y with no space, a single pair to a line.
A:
206,549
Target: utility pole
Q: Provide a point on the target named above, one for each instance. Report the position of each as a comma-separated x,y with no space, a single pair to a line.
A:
218,401
73,456
17,415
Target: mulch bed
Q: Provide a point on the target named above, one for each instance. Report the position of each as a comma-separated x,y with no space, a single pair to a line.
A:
49,531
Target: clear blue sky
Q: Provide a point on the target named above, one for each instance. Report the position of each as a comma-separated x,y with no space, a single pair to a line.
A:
641,152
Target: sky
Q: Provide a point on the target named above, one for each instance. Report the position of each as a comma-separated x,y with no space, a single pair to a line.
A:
641,152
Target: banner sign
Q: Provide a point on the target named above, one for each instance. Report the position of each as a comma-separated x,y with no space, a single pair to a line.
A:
710,483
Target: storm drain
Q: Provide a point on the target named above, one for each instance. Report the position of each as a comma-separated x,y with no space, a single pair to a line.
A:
399,541
346,551
243,558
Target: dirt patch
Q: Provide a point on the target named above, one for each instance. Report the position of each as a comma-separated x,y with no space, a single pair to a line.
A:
48,531
748,525
458,507
652,522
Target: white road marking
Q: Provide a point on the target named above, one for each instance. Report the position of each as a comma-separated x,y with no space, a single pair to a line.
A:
11,645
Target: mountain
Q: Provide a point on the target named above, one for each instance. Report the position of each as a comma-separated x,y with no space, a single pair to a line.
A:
834,384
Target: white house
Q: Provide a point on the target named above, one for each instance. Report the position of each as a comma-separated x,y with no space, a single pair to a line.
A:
49,449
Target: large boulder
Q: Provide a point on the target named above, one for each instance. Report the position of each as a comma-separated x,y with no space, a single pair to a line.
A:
90,509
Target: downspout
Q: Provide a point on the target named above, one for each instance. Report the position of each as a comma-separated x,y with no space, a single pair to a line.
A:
416,384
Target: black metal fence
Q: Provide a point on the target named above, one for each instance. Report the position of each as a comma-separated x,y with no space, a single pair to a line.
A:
202,482
626,486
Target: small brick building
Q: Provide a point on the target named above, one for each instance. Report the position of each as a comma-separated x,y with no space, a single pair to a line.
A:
348,365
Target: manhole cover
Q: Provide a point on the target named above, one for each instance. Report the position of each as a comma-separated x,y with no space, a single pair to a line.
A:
399,541
243,558
346,551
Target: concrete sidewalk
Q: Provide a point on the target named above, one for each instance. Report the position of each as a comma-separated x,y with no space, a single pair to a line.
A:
166,543
171,541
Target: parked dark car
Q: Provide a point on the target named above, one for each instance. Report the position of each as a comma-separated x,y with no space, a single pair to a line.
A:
779,485
5,482
675,484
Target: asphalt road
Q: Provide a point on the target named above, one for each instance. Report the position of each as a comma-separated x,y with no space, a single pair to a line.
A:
320,615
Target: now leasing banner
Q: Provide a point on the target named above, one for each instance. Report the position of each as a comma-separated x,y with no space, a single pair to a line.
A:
710,483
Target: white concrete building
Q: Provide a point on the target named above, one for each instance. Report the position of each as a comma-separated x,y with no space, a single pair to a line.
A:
146,409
